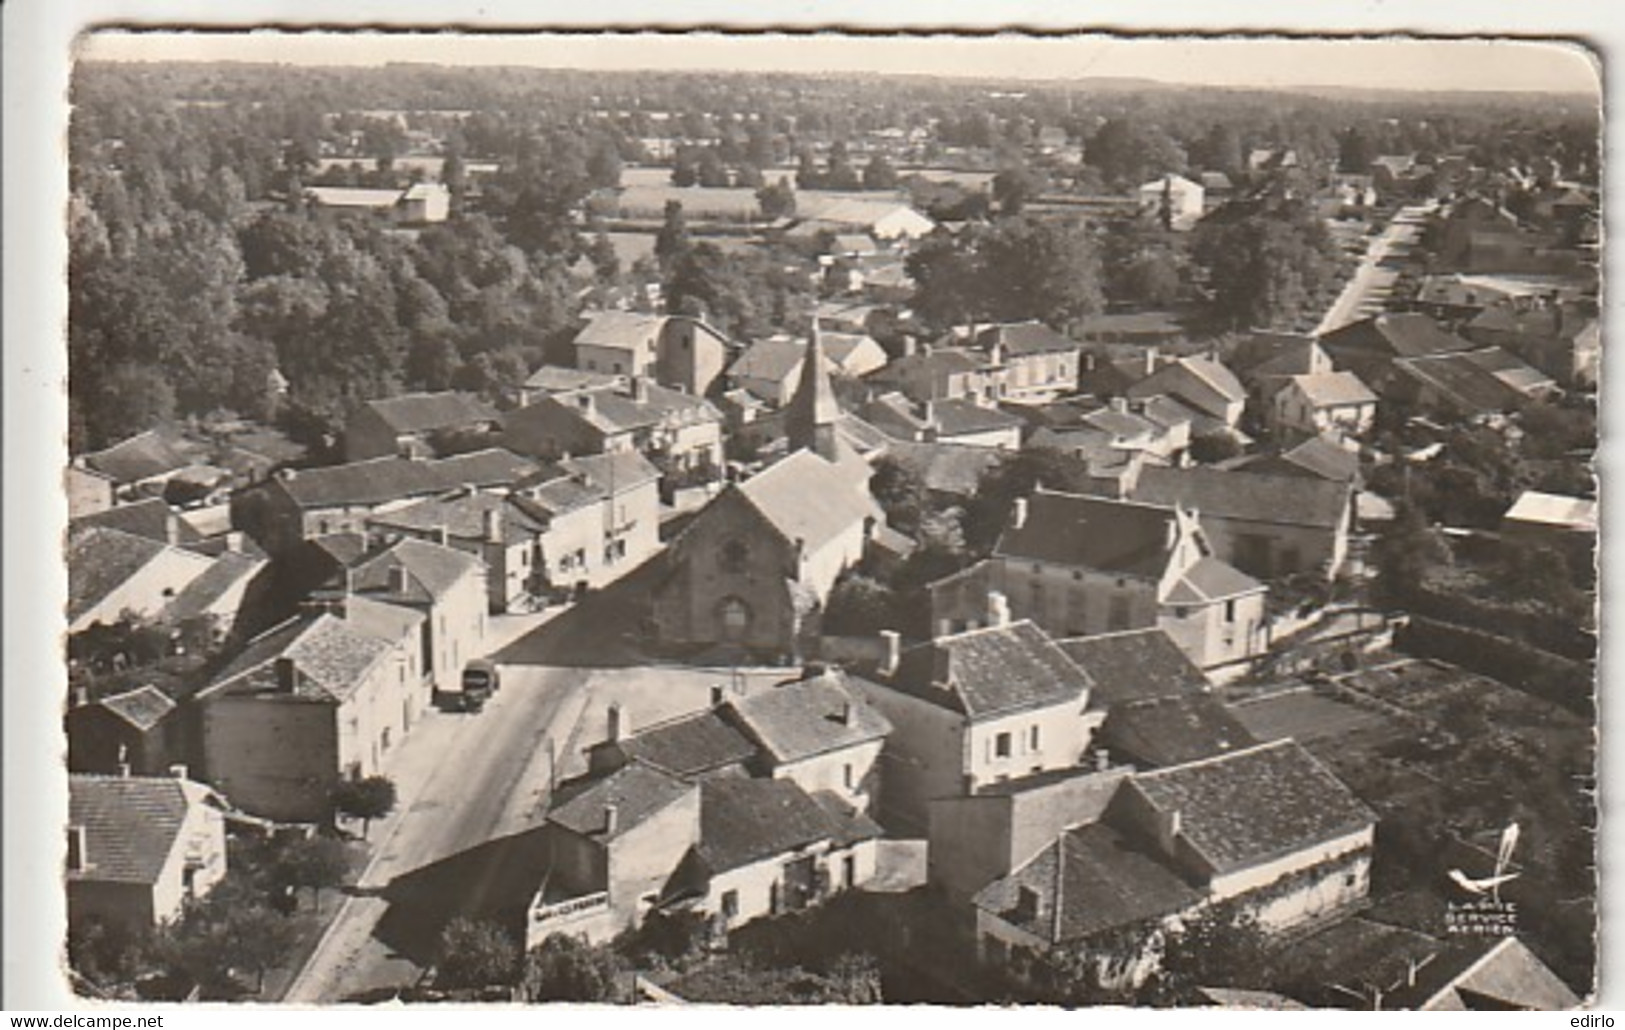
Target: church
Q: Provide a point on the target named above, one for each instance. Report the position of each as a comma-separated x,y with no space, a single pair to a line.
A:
751,573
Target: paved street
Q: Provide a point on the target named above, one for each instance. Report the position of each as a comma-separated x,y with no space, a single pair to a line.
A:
1374,279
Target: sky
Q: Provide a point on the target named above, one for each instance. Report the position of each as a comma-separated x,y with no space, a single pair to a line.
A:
1263,63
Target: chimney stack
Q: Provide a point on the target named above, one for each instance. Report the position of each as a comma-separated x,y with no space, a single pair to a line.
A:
172,528
1150,360
287,674
234,541
1103,760
620,722
944,627
846,713
493,525
640,389
611,819
1019,518
998,609
77,857
1120,405
442,536
400,580
894,651
178,771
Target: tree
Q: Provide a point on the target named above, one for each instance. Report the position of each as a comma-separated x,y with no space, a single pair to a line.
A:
672,241
1018,475
900,491
879,174
1354,151
1404,552
777,200
319,863
565,968
1016,269
231,929
1269,265
860,606
1209,448
474,954
605,262
1224,945
1128,153
1013,187
365,799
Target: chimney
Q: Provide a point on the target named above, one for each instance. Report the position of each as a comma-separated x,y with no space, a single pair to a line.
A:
400,580
640,389
78,697
928,414
493,525
287,475
287,674
611,819
846,713
1018,518
717,694
1150,360
442,536
584,401
1103,760
1120,405
894,651
911,345
801,551
178,771
944,627
620,722
172,528
234,541
998,609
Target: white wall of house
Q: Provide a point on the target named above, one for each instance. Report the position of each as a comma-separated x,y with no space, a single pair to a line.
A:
844,772
149,590
1213,634
1032,741
201,845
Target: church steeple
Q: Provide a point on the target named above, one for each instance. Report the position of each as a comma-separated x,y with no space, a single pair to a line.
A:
810,419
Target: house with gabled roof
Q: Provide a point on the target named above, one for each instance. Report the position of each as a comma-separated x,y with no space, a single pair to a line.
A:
140,848
446,585
1265,525
413,425
976,708
770,368
1316,458
1468,385
1370,346
1562,339
308,703
677,351
1335,403
678,431
1034,363
138,463
1173,729
133,731
89,492
819,732
1135,665
111,572
1202,383
1079,565
955,421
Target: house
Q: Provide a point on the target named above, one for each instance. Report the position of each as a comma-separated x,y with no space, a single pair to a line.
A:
1567,525
1135,665
424,203
853,354
1457,297
1174,201
1264,361
416,425
1201,383
1264,525
1316,457
1494,975
1217,189
1468,385
940,374
1034,362
111,573
298,504
222,593
755,566
418,204
311,702
955,421
770,369
497,528
731,848
1563,340
1154,732
1335,403
977,708
139,465
1370,346
133,731
555,380
89,492
603,520
885,220
677,352
678,431
817,732
446,585
1079,566
140,847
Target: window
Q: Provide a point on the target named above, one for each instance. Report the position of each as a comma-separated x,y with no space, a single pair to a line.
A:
735,556
1001,746
848,776
383,739
1230,610
730,904
1032,738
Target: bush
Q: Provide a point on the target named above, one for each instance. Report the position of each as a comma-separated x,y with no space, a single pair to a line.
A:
1517,664
475,954
564,968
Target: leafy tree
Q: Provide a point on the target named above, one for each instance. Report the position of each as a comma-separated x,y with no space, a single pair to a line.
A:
672,241
475,954
777,200
109,954
317,863
565,968
1016,269
1128,153
231,929
860,606
879,174
1354,151
1224,945
1221,148
365,799
1404,552
1209,448
1013,187
1269,265
605,262
901,491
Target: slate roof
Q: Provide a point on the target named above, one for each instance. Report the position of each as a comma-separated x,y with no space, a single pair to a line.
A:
1334,389
331,657
1484,976
1463,383
463,516
1091,879
1174,730
143,708
839,348
1249,807
638,792
1217,376
1516,374
1209,580
142,456
378,480
557,379
807,498
1325,459
1131,537
624,329
617,471
1402,334
1251,496
617,410
691,746
993,671
776,358
432,570
960,417
131,824
1134,665
1024,338
803,719
228,571
743,821
421,412
101,560
1550,323
151,518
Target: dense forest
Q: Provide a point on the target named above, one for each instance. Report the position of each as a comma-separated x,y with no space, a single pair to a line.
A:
196,269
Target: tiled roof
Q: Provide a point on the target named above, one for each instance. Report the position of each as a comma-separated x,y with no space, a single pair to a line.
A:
744,820
463,516
1022,338
637,792
960,417
1325,459
1092,532
1251,496
1134,665
151,518
1549,323
391,623
1463,383
556,379
197,597
142,456
940,362
493,466
378,480
420,412
1173,730
432,570
131,824
691,746
1488,976
799,720
807,498
618,410
623,329
1091,879
1332,389
1253,806
102,560
1517,374
330,657
143,708
992,671
1211,579
839,348
1405,335
777,359
1217,376
617,471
